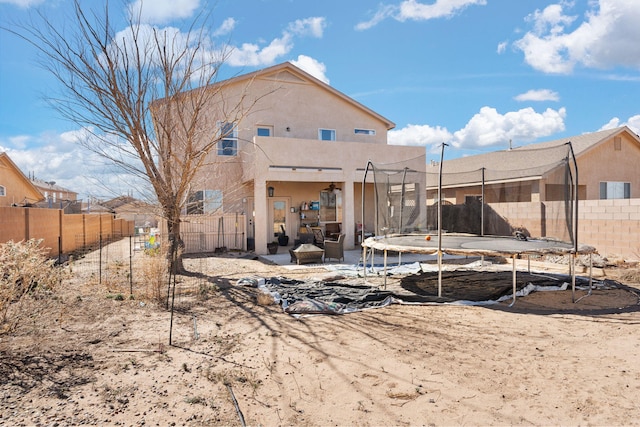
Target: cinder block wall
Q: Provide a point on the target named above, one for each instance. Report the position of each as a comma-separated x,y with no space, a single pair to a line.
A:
611,226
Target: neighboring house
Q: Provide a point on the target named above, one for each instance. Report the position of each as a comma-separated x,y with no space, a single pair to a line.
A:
303,145
607,165
525,190
142,214
57,197
15,188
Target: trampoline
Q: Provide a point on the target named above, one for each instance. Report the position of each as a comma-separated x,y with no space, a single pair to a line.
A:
465,214
471,245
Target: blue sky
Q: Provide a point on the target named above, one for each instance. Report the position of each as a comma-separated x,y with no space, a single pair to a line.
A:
475,74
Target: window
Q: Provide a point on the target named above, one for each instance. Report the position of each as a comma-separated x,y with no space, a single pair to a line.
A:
327,134
364,131
263,131
331,205
615,190
3,192
204,202
617,143
228,134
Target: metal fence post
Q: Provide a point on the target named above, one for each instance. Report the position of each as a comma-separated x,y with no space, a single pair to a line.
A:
130,267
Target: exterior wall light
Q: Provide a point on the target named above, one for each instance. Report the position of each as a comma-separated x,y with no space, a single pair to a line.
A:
270,190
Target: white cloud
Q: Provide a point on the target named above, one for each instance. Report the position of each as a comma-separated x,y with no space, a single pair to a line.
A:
313,27
163,11
60,158
632,123
312,66
607,37
538,95
419,135
490,128
502,47
23,3
250,54
487,128
225,28
382,13
416,11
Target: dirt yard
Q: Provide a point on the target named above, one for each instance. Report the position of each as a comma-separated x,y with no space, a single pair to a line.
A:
91,359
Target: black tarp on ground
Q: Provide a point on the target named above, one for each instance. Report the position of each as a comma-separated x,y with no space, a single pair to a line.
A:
316,297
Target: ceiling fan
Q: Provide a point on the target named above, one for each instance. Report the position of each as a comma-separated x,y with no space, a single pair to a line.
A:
332,188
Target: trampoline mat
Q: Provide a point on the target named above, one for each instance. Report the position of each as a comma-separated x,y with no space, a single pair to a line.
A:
472,245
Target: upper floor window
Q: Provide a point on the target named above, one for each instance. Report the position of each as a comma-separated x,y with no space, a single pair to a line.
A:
263,131
3,192
327,134
364,131
228,143
615,190
204,202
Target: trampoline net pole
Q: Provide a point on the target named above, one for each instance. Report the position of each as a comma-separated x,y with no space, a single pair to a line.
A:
440,222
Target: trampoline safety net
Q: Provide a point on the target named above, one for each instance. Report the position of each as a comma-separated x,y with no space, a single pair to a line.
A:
516,192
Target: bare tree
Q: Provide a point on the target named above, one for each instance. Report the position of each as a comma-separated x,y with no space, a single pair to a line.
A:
148,97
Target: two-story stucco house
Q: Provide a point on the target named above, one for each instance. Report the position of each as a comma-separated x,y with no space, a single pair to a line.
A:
296,158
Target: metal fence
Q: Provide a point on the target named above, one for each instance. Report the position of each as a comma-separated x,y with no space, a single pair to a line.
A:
136,267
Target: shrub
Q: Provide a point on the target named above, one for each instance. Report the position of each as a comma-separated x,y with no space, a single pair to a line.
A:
27,275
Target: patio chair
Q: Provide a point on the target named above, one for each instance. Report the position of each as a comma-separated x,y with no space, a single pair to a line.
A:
318,237
332,230
334,249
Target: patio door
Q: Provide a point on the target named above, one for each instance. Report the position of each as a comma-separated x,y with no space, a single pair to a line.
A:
278,208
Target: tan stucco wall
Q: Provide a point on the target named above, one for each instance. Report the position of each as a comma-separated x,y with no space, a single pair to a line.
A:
293,160
604,163
17,189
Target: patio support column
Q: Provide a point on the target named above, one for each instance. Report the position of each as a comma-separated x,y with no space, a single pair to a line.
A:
348,214
262,216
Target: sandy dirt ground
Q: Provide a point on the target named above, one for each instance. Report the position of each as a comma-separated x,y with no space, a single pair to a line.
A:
90,359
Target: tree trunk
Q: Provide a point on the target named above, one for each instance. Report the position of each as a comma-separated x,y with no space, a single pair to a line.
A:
176,247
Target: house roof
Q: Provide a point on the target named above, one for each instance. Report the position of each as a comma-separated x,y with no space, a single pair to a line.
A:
530,161
288,66
6,161
44,185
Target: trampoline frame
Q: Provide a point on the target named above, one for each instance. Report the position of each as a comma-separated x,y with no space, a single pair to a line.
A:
519,249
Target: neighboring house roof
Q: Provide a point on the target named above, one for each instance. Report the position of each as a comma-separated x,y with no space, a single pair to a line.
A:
6,161
280,72
50,186
124,204
527,162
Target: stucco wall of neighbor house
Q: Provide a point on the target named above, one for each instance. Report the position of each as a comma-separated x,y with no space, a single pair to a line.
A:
17,189
605,163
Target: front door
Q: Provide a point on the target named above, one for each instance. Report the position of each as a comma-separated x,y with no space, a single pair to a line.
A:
278,208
